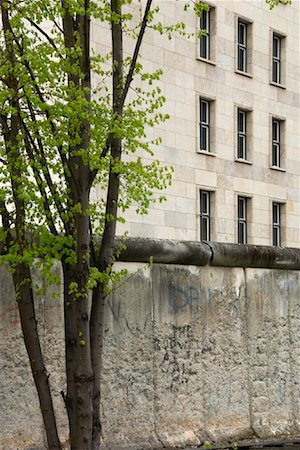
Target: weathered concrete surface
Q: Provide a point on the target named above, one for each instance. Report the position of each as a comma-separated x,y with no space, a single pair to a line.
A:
165,251
190,354
214,253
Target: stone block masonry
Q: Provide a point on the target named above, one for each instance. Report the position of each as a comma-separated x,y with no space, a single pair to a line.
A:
191,353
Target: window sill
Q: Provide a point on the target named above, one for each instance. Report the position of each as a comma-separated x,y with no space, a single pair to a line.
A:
277,85
279,169
243,161
205,152
246,74
208,61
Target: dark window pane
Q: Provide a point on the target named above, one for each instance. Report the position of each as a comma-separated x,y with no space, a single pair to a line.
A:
240,208
241,234
241,121
203,112
275,130
240,59
276,213
203,20
204,203
204,229
276,46
275,237
242,27
203,47
241,147
275,72
204,138
275,155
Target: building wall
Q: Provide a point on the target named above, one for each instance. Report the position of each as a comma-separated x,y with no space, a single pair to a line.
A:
190,354
185,78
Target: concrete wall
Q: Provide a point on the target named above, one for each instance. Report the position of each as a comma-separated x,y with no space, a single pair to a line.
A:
191,353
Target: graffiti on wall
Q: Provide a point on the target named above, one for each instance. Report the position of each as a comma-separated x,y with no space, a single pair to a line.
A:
9,319
180,356
180,298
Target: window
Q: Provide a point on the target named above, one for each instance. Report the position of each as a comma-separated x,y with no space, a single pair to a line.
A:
244,46
204,125
242,56
276,224
276,59
242,133
277,143
276,125
205,215
242,220
205,39
206,44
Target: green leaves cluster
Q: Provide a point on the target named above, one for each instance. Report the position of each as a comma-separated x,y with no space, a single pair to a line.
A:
43,87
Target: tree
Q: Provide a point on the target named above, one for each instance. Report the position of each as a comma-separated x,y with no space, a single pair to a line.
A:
61,137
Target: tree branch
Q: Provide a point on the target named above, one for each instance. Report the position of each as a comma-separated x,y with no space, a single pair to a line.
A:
49,216
49,39
6,219
41,153
63,157
130,74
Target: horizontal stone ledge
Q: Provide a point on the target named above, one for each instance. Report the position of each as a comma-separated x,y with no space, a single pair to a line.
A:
259,256
165,251
209,253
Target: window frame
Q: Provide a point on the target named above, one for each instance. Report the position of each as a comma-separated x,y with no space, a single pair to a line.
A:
210,43
205,214
205,37
242,134
242,220
277,59
242,46
276,142
276,224
276,145
205,125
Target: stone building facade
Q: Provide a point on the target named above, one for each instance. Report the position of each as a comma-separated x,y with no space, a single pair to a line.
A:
233,136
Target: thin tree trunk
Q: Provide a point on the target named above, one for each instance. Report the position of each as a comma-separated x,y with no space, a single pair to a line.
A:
107,246
70,344
21,272
80,376
22,283
97,329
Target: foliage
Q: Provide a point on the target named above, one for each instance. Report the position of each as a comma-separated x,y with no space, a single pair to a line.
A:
51,111
273,3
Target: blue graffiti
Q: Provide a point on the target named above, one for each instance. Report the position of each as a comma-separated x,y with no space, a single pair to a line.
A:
181,298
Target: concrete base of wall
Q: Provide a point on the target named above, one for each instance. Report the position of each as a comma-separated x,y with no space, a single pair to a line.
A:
191,354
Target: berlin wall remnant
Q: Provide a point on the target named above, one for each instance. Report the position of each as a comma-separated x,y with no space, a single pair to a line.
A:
191,352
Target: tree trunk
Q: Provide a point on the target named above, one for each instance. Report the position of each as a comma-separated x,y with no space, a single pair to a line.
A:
80,376
107,246
97,329
70,344
22,283
21,273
